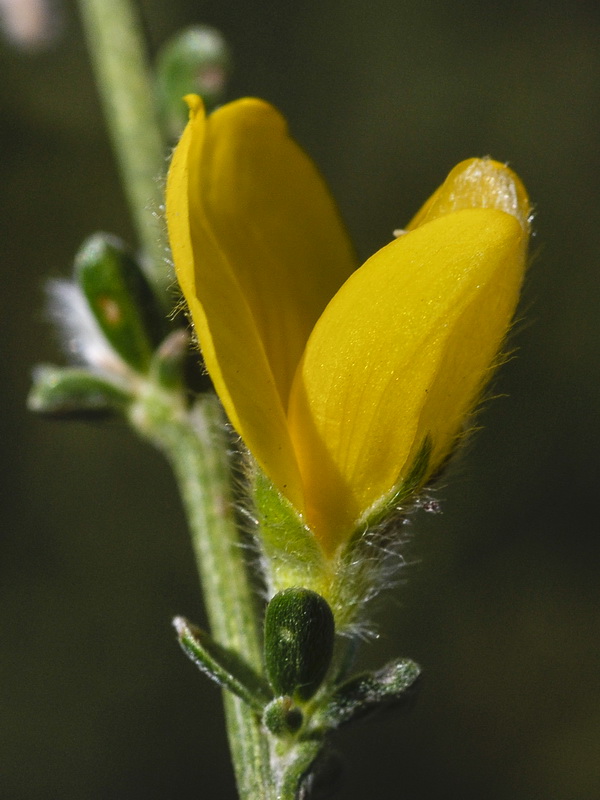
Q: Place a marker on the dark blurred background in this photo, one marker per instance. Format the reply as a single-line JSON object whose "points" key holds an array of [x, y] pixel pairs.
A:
{"points": [[499, 602]]}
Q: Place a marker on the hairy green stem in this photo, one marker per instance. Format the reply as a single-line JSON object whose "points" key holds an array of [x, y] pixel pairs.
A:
{"points": [[196, 445], [123, 76]]}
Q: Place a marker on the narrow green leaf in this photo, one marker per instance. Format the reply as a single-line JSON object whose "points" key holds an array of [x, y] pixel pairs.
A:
{"points": [[74, 393], [394, 684], [225, 667]]}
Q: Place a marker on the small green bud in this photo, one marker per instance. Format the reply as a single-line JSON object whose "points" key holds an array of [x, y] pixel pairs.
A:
{"points": [[299, 633], [169, 360], [120, 299], [74, 393], [195, 61], [281, 717]]}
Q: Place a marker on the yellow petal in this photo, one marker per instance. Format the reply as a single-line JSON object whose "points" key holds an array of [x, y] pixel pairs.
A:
{"points": [[276, 224], [266, 250], [424, 316], [227, 332]]}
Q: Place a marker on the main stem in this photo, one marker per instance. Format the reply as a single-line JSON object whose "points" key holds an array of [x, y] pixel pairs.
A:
{"points": [[195, 442], [123, 76], [197, 447]]}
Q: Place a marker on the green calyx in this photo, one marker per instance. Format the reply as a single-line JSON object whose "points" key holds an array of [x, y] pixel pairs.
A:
{"points": [[293, 555], [403, 493]]}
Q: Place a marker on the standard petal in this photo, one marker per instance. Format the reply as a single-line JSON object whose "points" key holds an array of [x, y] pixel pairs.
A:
{"points": [[276, 224], [424, 316], [226, 327]]}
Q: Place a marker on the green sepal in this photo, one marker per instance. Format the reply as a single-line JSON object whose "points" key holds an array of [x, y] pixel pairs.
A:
{"points": [[225, 667], [299, 636], [376, 536], [293, 553], [404, 491], [74, 393], [120, 299], [196, 60], [282, 717], [394, 684]]}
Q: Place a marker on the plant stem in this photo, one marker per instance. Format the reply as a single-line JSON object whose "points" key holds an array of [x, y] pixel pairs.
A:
{"points": [[195, 442], [123, 77], [197, 446]]}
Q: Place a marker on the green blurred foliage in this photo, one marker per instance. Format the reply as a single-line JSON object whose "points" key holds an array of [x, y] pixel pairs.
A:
{"points": [[499, 601]]}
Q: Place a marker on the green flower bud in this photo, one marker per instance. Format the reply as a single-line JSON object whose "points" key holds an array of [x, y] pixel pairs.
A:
{"points": [[120, 299], [299, 633], [169, 360], [197, 60], [74, 393], [281, 717]]}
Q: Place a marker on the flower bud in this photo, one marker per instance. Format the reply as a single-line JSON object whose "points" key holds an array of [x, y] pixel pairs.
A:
{"points": [[196, 60], [169, 359], [282, 717], [120, 299], [299, 632]]}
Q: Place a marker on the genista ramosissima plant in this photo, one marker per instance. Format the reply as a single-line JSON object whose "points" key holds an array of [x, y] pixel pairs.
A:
{"points": [[347, 387]]}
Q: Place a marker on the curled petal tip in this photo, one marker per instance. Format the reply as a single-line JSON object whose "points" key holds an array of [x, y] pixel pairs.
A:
{"points": [[194, 103]]}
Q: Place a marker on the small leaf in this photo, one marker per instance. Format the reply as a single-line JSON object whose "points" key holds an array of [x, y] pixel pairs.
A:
{"points": [[393, 684], [73, 392], [225, 667], [299, 633]]}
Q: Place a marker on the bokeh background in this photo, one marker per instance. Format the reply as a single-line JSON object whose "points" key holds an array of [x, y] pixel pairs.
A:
{"points": [[499, 601]]}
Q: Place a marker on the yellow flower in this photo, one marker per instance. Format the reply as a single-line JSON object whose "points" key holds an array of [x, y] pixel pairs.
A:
{"points": [[336, 378]]}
